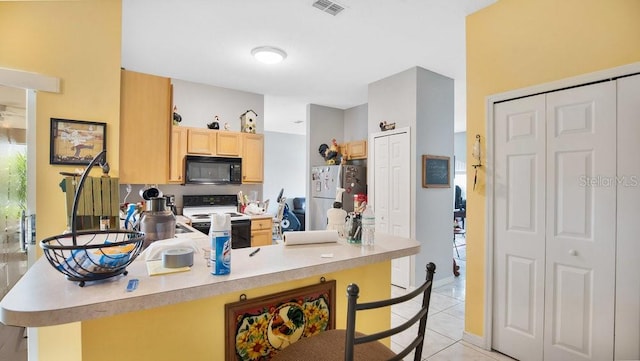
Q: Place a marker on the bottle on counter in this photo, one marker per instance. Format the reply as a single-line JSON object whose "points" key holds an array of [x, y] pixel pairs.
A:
{"points": [[220, 236], [368, 226]]}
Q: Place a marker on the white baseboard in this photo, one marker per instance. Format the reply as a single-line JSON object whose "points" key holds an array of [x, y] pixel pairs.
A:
{"points": [[475, 340]]}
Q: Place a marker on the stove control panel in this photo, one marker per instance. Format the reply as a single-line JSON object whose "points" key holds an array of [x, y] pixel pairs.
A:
{"points": [[210, 200]]}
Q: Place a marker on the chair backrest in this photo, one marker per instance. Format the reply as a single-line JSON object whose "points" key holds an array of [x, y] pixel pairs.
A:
{"points": [[280, 213], [421, 316]]}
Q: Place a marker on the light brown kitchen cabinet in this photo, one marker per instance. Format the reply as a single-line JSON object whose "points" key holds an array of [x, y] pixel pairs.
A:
{"points": [[252, 158], [228, 144], [201, 141], [145, 122], [214, 142], [261, 232], [177, 153], [357, 149]]}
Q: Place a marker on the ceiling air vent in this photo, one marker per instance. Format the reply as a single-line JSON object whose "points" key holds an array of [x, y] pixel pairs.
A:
{"points": [[329, 7]]}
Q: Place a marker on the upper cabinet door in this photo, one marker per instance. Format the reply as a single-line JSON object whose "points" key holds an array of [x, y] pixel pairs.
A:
{"points": [[229, 144], [177, 154], [357, 149], [201, 141], [145, 121], [253, 158]]}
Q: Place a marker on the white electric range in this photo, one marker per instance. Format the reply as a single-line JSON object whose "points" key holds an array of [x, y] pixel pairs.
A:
{"points": [[198, 209]]}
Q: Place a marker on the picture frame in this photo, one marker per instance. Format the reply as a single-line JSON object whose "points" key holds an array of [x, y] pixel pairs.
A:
{"points": [[436, 171], [76, 142], [258, 328]]}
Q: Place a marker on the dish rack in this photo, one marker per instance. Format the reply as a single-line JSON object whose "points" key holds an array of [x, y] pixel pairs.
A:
{"points": [[92, 255]]}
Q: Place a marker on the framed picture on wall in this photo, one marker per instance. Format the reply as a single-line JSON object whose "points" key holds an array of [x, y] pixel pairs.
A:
{"points": [[76, 141], [436, 171]]}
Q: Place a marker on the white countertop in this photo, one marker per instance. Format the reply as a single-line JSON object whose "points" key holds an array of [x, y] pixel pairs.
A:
{"points": [[44, 297]]}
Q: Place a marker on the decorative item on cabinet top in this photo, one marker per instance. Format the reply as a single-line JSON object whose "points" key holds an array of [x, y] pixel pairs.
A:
{"points": [[215, 124], [330, 153], [177, 118], [248, 121]]}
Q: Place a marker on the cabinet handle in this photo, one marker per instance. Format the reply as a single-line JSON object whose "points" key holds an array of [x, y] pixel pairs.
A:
{"points": [[573, 252]]}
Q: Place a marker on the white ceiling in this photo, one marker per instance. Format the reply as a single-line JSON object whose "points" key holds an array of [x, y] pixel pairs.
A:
{"points": [[331, 59]]}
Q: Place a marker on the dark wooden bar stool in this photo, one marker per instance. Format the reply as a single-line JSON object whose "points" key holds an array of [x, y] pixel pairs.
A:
{"points": [[350, 345]]}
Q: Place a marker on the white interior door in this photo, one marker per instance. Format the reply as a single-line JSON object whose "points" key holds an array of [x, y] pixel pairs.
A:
{"points": [[381, 181], [519, 259], [392, 196], [627, 320], [581, 223], [555, 225]]}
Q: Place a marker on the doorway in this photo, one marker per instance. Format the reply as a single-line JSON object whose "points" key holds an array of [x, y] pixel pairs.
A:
{"points": [[13, 208], [13, 185]]}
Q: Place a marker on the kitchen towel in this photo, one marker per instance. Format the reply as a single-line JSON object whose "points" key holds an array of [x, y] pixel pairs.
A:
{"points": [[309, 237]]}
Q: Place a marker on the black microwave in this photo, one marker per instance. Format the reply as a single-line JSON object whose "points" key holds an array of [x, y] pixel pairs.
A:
{"points": [[212, 170]]}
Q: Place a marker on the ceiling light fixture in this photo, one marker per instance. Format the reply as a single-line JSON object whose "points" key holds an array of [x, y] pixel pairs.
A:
{"points": [[268, 54]]}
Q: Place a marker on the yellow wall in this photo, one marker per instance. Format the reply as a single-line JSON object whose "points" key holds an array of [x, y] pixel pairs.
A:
{"points": [[78, 42], [518, 43], [195, 330]]}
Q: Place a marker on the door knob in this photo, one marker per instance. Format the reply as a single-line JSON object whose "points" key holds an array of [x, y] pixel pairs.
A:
{"points": [[573, 252]]}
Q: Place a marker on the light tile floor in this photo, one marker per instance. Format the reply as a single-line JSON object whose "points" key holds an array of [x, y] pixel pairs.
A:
{"points": [[445, 325], [13, 344]]}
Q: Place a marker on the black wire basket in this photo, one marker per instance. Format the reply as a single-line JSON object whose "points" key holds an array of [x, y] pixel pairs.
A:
{"points": [[92, 255]]}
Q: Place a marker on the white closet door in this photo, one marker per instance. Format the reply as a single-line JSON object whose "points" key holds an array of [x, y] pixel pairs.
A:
{"points": [[519, 227], [581, 223], [627, 319], [555, 225], [381, 182], [399, 185], [400, 203], [392, 196]]}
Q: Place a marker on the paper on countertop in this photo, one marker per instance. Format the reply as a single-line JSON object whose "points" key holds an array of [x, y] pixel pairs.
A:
{"points": [[253, 209], [155, 249], [309, 237], [155, 268]]}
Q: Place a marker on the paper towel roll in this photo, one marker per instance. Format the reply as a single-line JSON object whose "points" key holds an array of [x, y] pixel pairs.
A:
{"points": [[308, 237]]}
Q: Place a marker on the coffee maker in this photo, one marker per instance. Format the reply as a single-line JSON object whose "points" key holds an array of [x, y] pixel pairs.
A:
{"points": [[171, 203]]}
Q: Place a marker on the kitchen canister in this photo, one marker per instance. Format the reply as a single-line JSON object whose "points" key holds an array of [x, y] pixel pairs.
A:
{"points": [[157, 222]]}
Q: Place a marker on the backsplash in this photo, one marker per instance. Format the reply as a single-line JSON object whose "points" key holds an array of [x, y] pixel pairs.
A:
{"points": [[179, 190]]}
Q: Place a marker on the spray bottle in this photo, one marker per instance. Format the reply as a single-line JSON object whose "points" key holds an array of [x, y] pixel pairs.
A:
{"points": [[336, 216], [220, 235]]}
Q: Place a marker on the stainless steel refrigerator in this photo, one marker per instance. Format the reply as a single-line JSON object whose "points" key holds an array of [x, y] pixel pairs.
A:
{"points": [[324, 181]]}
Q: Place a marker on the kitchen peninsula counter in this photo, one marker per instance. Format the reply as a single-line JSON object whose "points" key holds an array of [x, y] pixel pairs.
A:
{"points": [[43, 297]]}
